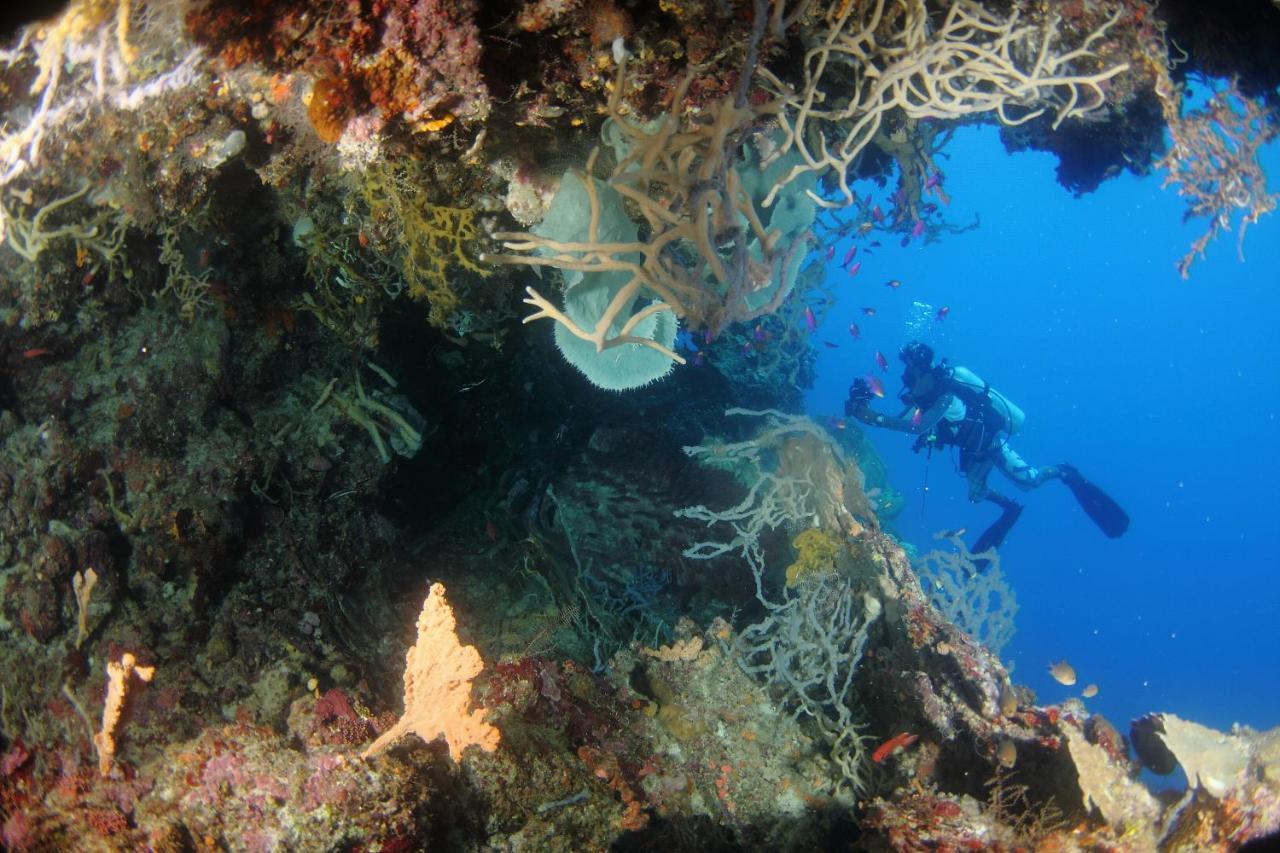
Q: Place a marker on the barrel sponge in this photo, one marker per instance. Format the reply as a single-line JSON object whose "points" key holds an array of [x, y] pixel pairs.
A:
{"points": [[587, 294]]}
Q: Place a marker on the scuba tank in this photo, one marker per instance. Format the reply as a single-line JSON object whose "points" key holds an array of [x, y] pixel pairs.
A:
{"points": [[970, 386]]}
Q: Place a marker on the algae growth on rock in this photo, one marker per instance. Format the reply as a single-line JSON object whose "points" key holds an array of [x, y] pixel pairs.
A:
{"points": [[269, 382]]}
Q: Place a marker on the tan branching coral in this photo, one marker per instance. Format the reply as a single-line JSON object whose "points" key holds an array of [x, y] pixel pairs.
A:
{"points": [[870, 57], [437, 686], [82, 587], [709, 258], [102, 232], [1213, 160], [118, 673]]}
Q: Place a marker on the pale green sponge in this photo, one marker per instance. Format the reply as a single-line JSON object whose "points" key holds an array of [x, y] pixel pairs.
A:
{"points": [[587, 295]]}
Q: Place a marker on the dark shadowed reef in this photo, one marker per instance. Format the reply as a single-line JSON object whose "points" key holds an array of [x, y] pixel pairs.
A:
{"points": [[436, 368]]}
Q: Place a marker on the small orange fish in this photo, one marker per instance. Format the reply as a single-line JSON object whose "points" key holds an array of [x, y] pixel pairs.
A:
{"points": [[875, 386], [917, 416], [882, 362], [870, 312], [892, 745], [854, 331], [36, 352], [830, 345], [894, 283], [491, 530], [942, 313]]}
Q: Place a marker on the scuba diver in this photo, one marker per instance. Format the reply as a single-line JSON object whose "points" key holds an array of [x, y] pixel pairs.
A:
{"points": [[952, 407]]}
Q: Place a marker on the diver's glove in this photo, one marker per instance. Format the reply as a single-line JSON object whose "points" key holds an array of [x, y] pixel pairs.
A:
{"points": [[859, 396]]}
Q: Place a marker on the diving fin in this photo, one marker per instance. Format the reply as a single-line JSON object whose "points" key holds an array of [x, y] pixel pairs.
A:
{"points": [[1097, 504], [993, 536]]}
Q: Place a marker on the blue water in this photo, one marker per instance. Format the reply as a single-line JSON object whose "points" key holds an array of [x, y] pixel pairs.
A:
{"points": [[1165, 392]]}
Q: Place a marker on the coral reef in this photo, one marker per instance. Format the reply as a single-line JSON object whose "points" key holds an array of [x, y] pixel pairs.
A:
{"points": [[265, 387]]}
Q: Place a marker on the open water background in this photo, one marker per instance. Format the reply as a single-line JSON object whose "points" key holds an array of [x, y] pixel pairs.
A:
{"points": [[1166, 392]]}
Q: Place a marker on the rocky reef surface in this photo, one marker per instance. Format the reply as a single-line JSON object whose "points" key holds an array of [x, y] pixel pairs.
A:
{"points": [[266, 381]]}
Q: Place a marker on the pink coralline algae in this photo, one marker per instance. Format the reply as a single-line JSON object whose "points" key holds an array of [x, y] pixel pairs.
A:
{"points": [[418, 60], [433, 46]]}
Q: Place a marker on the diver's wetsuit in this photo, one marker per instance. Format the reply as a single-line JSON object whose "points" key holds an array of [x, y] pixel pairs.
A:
{"points": [[953, 407], [963, 418]]}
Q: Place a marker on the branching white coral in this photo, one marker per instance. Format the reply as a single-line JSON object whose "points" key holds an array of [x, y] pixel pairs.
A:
{"points": [[808, 649], [96, 54], [777, 496], [870, 57]]}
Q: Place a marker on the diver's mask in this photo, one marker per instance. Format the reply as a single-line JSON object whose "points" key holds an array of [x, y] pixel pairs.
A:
{"points": [[916, 355]]}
